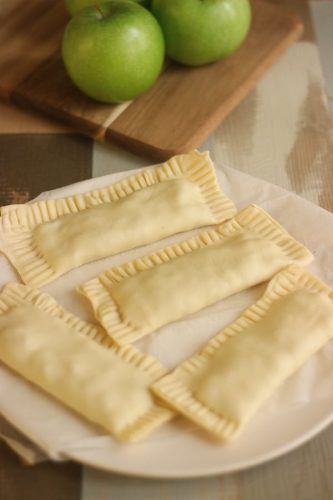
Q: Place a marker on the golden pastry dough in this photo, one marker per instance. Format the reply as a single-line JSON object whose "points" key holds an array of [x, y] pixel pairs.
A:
{"points": [[45, 239], [76, 363], [224, 385], [136, 298]]}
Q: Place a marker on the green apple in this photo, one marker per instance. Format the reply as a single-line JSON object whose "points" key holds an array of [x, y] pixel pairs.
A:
{"points": [[74, 6], [114, 51], [202, 31]]}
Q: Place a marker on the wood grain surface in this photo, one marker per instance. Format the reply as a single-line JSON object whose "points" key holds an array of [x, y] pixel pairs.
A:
{"points": [[29, 34], [174, 116]]}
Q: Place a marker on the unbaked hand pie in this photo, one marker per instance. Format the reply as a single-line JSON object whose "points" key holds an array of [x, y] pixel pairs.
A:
{"points": [[222, 387], [76, 363], [141, 296], [47, 238]]}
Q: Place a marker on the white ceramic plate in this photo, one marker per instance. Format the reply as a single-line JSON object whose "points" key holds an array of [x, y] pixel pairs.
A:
{"points": [[179, 450], [168, 454]]}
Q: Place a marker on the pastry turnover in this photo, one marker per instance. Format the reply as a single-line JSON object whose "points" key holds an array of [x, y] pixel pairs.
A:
{"points": [[76, 363], [136, 298], [47, 238], [224, 385]]}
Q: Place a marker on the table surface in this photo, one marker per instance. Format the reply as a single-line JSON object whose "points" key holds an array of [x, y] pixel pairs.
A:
{"points": [[281, 132]]}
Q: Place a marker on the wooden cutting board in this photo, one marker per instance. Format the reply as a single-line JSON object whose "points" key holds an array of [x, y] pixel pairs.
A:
{"points": [[174, 116]]}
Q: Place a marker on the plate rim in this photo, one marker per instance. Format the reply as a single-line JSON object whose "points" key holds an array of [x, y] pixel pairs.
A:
{"points": [[323, 423]]}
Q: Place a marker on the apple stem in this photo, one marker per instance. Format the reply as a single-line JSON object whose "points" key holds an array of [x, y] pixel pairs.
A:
{"points": [[98, 7]]}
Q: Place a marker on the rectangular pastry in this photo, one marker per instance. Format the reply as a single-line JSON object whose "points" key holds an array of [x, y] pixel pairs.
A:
{"points": [[76, 363], [224, 385], [141, 296], [45, 239]]}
